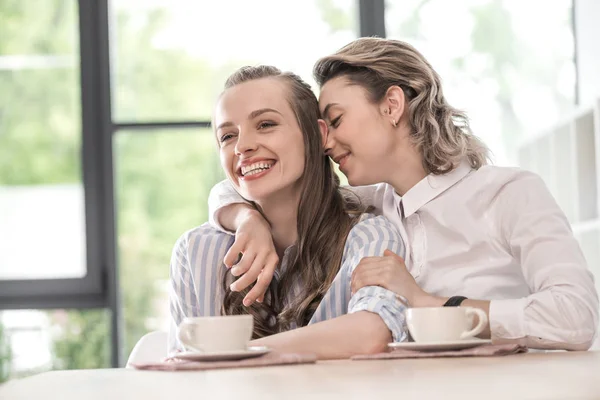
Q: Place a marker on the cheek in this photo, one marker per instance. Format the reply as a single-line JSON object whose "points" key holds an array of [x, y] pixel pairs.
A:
{"points": [[295, 158], [369, 139], [227, 163]]}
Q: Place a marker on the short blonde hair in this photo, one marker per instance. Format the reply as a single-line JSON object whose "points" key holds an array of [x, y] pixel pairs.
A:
{"points": [[440, 132]]}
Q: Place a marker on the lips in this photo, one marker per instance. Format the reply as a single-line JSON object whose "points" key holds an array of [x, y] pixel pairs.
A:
{"points": [[341, 159]]}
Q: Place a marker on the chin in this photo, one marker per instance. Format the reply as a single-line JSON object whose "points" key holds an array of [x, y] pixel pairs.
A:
{"points": [[256, 194], [356, 181]]}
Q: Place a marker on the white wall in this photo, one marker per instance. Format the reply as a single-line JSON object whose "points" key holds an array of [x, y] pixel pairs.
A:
{"points": [[587, 31]]}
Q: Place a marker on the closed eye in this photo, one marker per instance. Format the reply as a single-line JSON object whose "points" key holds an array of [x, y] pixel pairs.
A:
{"points": [[335, 122]]}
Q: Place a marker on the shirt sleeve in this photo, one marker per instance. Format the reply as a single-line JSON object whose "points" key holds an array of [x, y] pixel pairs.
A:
{"points": [[367, 239], [221, 195], [562, 310], [195, 277]]}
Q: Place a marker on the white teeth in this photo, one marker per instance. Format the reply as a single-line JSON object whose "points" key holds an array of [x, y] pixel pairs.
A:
{"points": [[256, 167]]}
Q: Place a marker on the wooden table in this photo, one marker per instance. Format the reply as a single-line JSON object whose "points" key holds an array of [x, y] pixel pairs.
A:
{"points": [[558, 375]]}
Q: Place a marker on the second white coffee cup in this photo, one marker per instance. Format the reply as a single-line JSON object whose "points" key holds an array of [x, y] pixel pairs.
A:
{"points": [[444, 324], [216, 334]]}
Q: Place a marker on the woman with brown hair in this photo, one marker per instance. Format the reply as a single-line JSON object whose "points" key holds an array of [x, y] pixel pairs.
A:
{"points": [[270, 141], [477, 235]]}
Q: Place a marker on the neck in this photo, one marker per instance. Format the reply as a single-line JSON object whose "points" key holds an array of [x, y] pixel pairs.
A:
{"points": [[406, 166], [282, 213]]}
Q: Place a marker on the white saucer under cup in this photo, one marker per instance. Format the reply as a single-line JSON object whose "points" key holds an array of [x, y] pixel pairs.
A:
{"points": [[440, 346], [232, 355]]}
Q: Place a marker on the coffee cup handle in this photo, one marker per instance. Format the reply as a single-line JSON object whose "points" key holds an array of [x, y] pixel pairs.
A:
{"points": [[184, 332], [482, 321]]}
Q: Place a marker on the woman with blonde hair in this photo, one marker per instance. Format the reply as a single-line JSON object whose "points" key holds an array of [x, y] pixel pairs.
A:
{"points": [[477, 235]]}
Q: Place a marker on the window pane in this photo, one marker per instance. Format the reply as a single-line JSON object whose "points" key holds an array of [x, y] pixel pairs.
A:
{"points": [[42, 228], [172, 57], [162, 182], [33, 341], [513, 78]]}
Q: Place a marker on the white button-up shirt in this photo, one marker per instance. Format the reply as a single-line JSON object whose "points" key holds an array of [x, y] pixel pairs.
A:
{"points": [[493, 234]]}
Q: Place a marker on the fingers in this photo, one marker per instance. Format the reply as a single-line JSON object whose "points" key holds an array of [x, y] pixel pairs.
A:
{"points": [[368, 266], [244, 264], [375, 259], [389, 253], [262, 282], [368, 278], [249, 275], [379, 271], [370, 260], [233, 254]]}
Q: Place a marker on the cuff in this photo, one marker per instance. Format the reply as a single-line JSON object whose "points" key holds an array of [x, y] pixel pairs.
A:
{"points": [[507, 319], [384, 303]]}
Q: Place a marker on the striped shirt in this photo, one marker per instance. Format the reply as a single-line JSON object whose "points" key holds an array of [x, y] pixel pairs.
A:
{"points": [[196, 287]]}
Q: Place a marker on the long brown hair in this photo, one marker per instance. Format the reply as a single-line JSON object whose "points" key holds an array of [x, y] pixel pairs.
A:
{"points": [[325, 217], [440, 131]]}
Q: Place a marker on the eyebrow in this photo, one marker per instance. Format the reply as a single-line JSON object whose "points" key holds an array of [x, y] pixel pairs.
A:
{"points": [[256, 113], [327, 107], [224, 125], [252, 115]]}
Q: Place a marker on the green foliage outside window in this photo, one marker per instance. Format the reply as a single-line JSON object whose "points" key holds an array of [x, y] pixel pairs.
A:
{"points": [[5, 355]]}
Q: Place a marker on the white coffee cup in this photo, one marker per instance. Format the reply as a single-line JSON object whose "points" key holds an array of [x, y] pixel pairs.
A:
{"points": [[444, 324], [216, 334]]}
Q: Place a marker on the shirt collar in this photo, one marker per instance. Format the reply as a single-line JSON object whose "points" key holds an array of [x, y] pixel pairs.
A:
{"points": [[432, 186]]}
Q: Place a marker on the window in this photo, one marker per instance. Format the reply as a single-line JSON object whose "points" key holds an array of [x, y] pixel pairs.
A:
{"points": [[157, 202], [171, 58], [493, 64], [43, 230], [44, 340]]}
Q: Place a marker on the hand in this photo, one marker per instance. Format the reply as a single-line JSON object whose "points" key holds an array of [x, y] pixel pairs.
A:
{"points": [[259, 259], [390, 273]]}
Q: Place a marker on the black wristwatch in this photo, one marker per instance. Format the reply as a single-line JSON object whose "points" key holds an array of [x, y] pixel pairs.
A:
{"points": [[454, 301]]}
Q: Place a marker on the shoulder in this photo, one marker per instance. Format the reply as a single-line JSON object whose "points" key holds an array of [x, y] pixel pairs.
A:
{"points": [[508, 183], [372, 229], [203, 238], [505, 175], [370, 222], [520, 197]]}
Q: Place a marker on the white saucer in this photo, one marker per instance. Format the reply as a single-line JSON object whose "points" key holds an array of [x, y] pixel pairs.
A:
{"points": [[223, 355], [434, 346]]}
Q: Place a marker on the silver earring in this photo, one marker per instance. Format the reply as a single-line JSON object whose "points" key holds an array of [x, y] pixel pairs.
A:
{"points": [[394, 123]]}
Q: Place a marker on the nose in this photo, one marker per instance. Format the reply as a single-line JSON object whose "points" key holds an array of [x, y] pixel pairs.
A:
{"points": [[246, 142]]}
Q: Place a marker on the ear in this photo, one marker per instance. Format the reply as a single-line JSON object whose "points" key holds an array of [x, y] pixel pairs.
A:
{"points": [[324, 130], [393, 104]]}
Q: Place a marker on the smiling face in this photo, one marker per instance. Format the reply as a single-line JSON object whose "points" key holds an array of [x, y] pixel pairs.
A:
{"points": [[360, 140], [261, 145]]}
